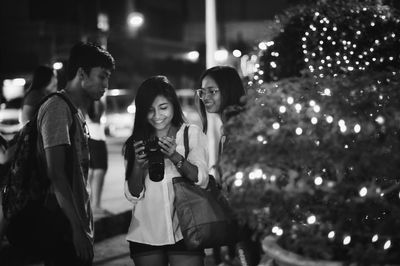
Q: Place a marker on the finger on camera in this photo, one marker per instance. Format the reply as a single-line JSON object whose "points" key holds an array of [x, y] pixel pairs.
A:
{"points": [[138, 144]]}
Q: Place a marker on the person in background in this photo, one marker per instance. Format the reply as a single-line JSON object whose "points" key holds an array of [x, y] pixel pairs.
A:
{"points": [[154, 234], [3, 169], [219, 92], [98, 163], [44, 82]]}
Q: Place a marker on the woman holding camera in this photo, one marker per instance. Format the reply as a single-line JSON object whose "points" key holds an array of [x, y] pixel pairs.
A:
{"points": [[154, 234]]}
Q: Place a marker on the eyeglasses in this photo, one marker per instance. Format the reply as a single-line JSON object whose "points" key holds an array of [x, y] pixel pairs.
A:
{"points": [[202, 93]]}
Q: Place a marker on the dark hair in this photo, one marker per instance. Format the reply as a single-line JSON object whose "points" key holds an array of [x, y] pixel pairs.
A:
{"points": [[230, 86], [142, 130], [42, 76], [88, 56]]}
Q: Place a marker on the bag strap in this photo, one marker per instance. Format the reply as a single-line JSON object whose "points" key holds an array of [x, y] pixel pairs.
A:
{"points": [[186, 141]]}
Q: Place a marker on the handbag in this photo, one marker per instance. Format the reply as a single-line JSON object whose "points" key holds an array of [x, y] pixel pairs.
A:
{"points": [[205, 216]]}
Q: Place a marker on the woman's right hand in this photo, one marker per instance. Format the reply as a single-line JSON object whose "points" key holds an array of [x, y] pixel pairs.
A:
{"points": [[140, 155]]}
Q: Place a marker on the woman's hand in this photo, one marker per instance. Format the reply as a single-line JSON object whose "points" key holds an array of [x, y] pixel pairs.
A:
{"points": [[140, 155], [168, 146]]}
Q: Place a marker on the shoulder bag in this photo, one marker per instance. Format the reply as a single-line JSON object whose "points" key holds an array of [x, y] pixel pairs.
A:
{"points": [[205, 216]]}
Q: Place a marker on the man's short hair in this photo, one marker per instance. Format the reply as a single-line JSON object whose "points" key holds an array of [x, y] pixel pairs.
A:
{"points": [[88, 56]]}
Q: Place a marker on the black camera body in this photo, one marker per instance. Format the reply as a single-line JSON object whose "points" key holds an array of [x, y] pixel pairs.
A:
{"points": [[155, 158]]}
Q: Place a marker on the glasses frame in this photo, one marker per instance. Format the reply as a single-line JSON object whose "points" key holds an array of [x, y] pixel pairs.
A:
{"points": [[202, 93]]}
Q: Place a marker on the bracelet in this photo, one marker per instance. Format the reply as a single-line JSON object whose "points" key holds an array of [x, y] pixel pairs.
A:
{"points": [[179, 164]]}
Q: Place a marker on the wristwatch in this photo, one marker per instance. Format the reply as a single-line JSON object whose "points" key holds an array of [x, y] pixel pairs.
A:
{"points": [[179, 164]]}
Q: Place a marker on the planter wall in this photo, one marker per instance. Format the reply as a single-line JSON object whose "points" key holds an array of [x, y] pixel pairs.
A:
{"points": [[277, 256]]}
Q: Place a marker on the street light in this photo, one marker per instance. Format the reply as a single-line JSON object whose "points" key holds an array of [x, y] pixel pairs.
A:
{"points": [[135, 20]]}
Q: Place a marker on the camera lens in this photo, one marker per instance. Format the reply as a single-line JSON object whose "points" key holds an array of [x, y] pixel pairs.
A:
{"points": [[156, 159]]}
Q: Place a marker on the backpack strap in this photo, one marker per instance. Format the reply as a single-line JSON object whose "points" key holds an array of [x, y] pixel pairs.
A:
{"points": [[186, 141]]}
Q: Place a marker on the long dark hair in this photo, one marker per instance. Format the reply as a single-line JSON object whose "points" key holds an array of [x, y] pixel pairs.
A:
{"points": [[42, 76], [230, 86], [142, 130]]}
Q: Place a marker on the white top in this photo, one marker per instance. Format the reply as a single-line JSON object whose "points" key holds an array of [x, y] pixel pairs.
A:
{"points": [[96, 130], [154, 219]]}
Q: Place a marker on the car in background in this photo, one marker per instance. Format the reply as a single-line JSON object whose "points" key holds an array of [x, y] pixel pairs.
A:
{"points": [[10, 118], [120, 112], [186, 99]]}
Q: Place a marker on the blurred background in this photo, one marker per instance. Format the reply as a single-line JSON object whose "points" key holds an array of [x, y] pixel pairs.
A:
{"points": [[146, 37]]}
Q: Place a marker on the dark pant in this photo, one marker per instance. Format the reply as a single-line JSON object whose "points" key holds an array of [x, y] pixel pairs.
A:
{"points": [[40, 234]]}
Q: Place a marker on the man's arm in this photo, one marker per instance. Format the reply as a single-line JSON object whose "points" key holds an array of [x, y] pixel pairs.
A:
{"points": [[56, 165]]}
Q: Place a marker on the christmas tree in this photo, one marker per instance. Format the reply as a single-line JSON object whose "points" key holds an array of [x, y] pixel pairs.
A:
{"points": [[315, 157]]}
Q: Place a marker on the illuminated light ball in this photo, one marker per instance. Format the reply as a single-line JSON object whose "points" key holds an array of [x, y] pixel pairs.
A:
{"points": [[380, 120], [317, 108], [350, 68], [311, 219], [260, 81], [382, 194], [363, 192], [297, 107], [343, 129], [264, 142], [312, 103], [341, 123], [318, 181], [273, 64], [262, 46], [327, 92], [391, 58], [290, 100], [256, 77], [261, 72], [346, 240], [193, 56], [357, 128], [317, 142], [314, 120], [282, 109], [260, 138], [237, 53], [264, 176], [275, 229], [331, 234], [279, 232], [387, 244], [258, 173], [238, 182], [239, 175], [304, 39], [252, 176], [358, 32], [276, 125], [334, 28], [273, 178], [270, 43], [299, 131], [57, 65], [374, 238]]}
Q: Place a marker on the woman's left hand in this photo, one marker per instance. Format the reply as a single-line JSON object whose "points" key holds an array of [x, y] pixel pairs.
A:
{"points": [[168, 146]]}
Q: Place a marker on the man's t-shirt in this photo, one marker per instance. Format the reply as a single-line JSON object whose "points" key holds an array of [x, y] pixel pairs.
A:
{"points": [[54, 122]]}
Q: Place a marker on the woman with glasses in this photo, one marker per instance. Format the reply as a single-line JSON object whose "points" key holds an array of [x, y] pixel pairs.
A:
{"points": [[220, 92]]}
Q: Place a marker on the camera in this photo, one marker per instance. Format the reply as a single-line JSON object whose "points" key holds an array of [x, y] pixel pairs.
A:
{"points": [[155, 158]]}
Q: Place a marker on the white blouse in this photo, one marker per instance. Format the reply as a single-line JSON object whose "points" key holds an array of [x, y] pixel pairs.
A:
{"points": [[154, 219]]}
